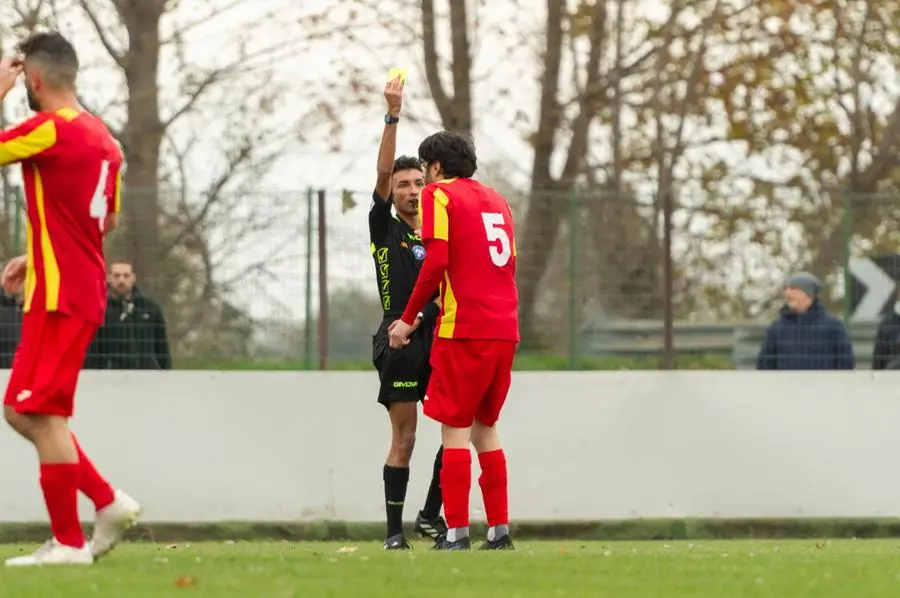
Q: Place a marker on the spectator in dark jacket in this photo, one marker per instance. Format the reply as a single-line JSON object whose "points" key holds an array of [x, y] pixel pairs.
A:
{"points": [[10, 328], [886, 355], [134, 334], [806, 336]]}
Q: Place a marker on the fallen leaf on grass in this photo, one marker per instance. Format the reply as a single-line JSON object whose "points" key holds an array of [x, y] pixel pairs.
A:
{"points": [[185, 582], [346, 549], [563, 550]]}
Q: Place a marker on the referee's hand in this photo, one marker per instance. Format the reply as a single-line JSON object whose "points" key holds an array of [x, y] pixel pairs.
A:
{"points": [[393, 94]]}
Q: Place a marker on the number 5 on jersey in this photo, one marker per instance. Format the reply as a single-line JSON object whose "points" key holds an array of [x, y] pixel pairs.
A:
{"points": [[493, 226], [100, 201]]}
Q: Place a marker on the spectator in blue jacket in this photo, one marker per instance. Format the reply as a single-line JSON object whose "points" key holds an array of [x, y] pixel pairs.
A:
{"points": [[806, 336]]}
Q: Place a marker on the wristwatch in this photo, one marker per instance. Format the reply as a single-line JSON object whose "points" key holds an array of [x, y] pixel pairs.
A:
{"points": [[391, 120]]}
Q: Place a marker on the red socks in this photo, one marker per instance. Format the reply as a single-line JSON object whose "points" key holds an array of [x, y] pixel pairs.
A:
{"points": [[59, 481], [494, 488], [92, 483], [456, 483]]}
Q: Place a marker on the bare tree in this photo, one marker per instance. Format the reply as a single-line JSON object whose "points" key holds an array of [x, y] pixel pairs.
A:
{"points": [[826, 141], [145, 127], [173, 218], [456, 108]]}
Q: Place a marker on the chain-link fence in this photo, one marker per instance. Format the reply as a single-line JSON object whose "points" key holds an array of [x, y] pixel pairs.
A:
{"points": [[286, 280]]}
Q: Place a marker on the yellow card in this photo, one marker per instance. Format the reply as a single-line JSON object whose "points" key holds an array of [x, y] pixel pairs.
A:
{"points": [[397, 71]]}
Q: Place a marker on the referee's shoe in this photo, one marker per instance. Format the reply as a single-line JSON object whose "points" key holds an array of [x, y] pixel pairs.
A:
{"points": [[397, 542]]}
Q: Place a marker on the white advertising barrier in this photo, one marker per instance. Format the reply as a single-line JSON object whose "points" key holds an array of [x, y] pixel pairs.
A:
{"points": [[295, 446]]}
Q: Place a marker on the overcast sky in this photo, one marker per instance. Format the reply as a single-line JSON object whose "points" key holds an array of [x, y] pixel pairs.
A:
{"points": [[310, 67], [307, 71]]}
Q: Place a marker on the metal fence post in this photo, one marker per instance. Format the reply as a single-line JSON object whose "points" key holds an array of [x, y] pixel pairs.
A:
{"points": [[308, 328], [668, 358], [573, 300], [323, 286], [846, 237]]}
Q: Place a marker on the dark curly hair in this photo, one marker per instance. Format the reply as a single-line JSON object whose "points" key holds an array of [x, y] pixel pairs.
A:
{"points": [[455, 152]]}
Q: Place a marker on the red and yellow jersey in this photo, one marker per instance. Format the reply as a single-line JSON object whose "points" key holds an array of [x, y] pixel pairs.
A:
{"points": [[479, 298], [71, 167]]}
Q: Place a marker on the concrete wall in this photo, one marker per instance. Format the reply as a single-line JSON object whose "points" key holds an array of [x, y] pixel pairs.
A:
{"points": [[209, 446]]}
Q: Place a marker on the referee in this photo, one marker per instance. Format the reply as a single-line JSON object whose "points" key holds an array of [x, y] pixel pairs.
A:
{"points": [[398, 253]]}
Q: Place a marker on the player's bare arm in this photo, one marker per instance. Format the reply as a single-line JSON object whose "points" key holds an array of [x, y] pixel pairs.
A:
{"points": [[393, 95], [111, 223], [13, 277], [10, 70]]}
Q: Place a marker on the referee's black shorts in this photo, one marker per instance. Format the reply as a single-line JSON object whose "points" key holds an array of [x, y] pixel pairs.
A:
{"points": [[403, 372]]}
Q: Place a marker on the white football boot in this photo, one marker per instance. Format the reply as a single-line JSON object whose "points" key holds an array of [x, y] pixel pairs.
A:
{"points": [[54, 553], [111, 523]]}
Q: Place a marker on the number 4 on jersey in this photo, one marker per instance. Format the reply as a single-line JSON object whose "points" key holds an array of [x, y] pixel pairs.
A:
{"points": [[493, 223], [99, 202]]}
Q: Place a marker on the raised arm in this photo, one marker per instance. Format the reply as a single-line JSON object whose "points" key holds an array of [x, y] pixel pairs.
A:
{"points": [[380, 212], [393, 94], [33, 137]]}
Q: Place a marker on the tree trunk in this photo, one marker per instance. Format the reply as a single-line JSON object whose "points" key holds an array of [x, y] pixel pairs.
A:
{"points": [[142, 138]]}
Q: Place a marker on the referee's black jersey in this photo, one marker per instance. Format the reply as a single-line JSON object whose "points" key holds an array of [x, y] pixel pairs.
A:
{"points": [[398, 253]]}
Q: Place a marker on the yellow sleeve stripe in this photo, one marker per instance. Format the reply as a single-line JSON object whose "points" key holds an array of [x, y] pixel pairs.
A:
{"points": [[441, 222], [117, 199], [30, 144]]}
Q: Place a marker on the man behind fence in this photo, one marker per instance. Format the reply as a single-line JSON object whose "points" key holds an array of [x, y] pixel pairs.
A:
{"points": [[806, 336], [398, 252], [134, 334]]}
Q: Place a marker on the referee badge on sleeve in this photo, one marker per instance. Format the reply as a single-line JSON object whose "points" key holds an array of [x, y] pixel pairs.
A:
{"points": [[418, 252]]}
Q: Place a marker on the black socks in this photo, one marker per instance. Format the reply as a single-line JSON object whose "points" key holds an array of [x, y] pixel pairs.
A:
{"points": [[395, 482], [434, 500]]}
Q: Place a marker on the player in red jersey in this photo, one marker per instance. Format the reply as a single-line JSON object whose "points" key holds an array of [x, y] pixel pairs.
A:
{"points": [[470, 252], [71, 167]]}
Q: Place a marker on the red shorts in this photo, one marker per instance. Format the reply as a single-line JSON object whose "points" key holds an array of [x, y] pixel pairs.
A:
{"points": [[47, 362], [469, 380]]}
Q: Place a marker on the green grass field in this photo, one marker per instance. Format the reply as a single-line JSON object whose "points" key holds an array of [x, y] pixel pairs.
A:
{"points": [[783, 569]]}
